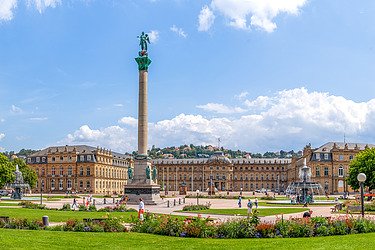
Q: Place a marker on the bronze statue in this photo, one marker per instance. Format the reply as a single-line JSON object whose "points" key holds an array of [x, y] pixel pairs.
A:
{"points": [[148, 170], [130, 173], [154, 173], [143, 40]]}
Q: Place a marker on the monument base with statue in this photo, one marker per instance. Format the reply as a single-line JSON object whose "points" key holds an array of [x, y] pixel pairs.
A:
{"points": [[143, 184]]}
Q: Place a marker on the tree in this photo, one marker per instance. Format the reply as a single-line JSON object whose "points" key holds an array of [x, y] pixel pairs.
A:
{"points": [[6, 171], [364, 162]]}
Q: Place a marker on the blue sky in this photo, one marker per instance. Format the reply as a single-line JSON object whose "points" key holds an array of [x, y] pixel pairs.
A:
{"points": [[262, 75]]}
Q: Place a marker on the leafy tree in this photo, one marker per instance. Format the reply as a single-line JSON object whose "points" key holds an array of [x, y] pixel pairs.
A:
{"points": [[6, 171], [364, 162]]}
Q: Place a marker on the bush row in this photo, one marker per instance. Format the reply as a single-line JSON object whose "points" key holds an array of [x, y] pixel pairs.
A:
{"points": [[196, 207], [107, 225], [252, 227]]}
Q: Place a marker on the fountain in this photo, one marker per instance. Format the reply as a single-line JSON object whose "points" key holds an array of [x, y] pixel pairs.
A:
{"points": [[18, 185], [304, 189]]}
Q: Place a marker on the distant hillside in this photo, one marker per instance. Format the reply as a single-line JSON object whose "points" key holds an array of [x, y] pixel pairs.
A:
{"points": [[194, 151]]}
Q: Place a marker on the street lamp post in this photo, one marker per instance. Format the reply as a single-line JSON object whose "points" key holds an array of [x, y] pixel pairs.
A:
{"points": [[197, 196], [241, 191], [361, 177], [41, 196]]}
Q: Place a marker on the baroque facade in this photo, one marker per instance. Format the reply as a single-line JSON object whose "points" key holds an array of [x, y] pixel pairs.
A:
{"points": [[223, 173], [80, 168], [329, 165]]}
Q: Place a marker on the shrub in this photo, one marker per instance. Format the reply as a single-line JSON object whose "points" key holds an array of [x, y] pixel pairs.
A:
{"points": [[91, 208], [113, 224], [243, 228], [66, 207], [199, 228], [268, 198], [29, 204], [196, 207], [82, 207], [265, 230]]}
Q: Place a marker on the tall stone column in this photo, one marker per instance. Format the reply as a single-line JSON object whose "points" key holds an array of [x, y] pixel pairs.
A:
{"points": [[142, 113], [142, 183]]}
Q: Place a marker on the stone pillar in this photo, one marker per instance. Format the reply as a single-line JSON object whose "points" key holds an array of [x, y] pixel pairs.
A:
{"points": [[142, 113]]}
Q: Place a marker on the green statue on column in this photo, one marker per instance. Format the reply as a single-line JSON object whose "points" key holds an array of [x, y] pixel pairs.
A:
{"points": [[143, 60]]}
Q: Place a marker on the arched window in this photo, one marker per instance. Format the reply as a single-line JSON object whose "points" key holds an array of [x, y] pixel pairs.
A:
{"points": [[53, 171], [81, 171], [52, 184], [341, 171]]}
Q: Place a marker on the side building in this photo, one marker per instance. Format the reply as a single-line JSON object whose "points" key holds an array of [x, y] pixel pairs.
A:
{"points": [[329, 165], [223, 173], [80, 168]]}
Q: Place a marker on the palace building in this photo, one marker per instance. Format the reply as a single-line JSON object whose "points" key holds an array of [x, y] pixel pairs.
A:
{"points": [[329, 164], [223, 173], [88, 169], [80, 168]]}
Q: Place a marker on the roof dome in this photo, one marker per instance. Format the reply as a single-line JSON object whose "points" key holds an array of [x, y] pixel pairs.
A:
{"points": [[218, 156]]}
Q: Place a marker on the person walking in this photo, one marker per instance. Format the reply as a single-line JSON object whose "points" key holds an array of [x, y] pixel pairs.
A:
{"points": [[256, 203], [239, 201], [141, 209], [74, 206], [249, 208]]}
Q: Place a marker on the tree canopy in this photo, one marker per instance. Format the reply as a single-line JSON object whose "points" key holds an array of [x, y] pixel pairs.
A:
{"points": [[8, 167], [364, 162]]}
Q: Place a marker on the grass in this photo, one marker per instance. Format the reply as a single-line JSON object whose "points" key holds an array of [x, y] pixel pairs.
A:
{"points": [[243, 211], [21, 239], [60, 216], [6, 204]]}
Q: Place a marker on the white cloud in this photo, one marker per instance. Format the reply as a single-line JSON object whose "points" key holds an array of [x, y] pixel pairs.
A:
{"points": [[205, 19], [179, 31], [242, 95], [2, 135], [131, 121], [288, 119], [6, 9], [153, 35], [119, 105], [259, 13], [2, 120], [15, 110], [220, 108], [41, 5]]}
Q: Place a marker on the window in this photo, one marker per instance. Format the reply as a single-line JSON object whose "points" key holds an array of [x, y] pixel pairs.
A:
{"points": [[61, 170], [89, 157], [325, 156], [81, 171], [61, 158], [350, 157], [52, 184], [88, 172], [341, 157], [60, 184], [43, 159], [317, 171], [326, 171], [82, 158], [341, 171], [53, 171], [81, 184], [37, 159], [69, 184], [70, 170], [87, 184], [43, 171]]}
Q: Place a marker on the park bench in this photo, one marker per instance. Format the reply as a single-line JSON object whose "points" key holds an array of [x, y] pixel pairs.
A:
{"points": [[4, 218], [94, 220]]}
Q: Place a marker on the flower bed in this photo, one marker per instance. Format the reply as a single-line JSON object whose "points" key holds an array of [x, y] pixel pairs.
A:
{"points": [[252, 227], [196, 207]]}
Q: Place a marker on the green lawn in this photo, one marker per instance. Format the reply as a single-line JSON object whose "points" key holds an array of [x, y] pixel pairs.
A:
{"points": [[21, 239], [6, 204], [59, 216], [243, 211]]}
